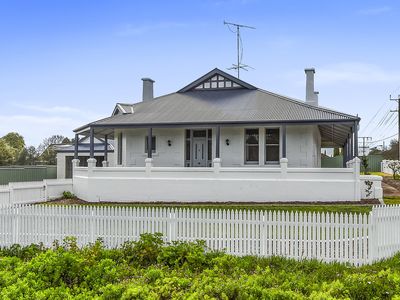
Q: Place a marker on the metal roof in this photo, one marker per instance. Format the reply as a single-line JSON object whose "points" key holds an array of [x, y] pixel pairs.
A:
{"points": [[224, 106], [247, 104], [84, 146]]}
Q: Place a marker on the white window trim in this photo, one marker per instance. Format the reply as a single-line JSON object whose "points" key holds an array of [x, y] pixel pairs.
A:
{"points": [[250, 163], [272, 163]]}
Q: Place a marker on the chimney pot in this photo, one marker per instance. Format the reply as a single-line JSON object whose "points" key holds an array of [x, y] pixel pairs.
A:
{"points": [[148, 92]]}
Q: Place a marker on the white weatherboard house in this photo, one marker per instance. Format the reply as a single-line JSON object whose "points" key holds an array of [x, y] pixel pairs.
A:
{"points": [[221, 139]]}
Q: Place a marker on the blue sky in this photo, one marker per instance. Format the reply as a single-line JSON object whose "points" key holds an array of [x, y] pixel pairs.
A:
{"points": [[66, 63]]}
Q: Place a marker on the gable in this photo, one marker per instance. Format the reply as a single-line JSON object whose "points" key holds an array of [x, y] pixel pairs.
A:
{"points": [[122, 108], [216, 80]]}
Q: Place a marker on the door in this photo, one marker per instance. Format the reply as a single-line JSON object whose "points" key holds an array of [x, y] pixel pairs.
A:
{"points": [[199, 152]]}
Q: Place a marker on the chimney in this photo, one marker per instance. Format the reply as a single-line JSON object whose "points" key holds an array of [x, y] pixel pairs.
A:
{"points": [[311, 95], [147, 89]]}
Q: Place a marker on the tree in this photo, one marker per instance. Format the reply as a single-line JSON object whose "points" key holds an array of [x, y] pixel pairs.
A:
{"points": [[392, 152], [16, 142], [395, 167], [6, 153], [28, 156], [46, 148]]}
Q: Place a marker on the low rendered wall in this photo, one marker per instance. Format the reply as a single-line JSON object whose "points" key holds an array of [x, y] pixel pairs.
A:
{"points": [[218, 184], [32, 192]]}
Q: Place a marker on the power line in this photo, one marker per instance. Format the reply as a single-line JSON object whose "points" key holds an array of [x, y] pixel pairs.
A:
{"points": [[373, 118], [384, 139], [365, 140], [398, 115]]}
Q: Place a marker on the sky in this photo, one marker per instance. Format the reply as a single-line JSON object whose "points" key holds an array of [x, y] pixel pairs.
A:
{"points": [[66, 63]]}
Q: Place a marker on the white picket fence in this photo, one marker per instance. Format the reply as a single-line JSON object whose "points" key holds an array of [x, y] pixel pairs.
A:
{"points": [[33, 192], [354, 238]]}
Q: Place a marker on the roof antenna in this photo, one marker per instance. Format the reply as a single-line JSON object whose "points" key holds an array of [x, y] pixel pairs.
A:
{"points": [[239, 45]]}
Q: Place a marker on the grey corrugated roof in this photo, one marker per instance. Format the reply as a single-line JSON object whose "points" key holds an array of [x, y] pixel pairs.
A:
{"points": [[220, 106], [240, 105]]}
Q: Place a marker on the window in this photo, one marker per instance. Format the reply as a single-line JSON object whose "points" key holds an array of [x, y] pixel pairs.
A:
{"points": [[153, 144], [251, 146], [119, 154], [217, 82], [272, 145]]}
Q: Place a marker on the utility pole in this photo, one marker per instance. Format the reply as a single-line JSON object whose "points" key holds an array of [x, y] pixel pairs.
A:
{"points": [[365, 140], [398, 123], [239, 64]]}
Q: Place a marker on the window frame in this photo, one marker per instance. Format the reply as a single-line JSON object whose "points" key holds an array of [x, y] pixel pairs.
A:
{"points": [[251, 162], [272, 162]]}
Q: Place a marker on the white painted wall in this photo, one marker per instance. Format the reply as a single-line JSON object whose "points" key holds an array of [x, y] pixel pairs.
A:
{"points": [[218, 184], [134, 147], [303, 146], [32, 192], [61, 165]]}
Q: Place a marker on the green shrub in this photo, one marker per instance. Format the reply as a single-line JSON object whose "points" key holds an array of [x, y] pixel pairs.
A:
{"points": [[152, 269], [68, 195]]}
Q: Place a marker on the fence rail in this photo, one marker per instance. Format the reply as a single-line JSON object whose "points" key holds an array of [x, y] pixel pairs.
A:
{"points": [[32, 192], [354, 238]]}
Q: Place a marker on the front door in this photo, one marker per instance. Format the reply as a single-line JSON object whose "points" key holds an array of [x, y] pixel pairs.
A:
{"points": [[199, 152]]}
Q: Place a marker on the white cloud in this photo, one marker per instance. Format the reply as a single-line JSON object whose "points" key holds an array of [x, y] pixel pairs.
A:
{"points": [[374, 11], [353, 72], [131, 30], [35, 128], [51, 110]]}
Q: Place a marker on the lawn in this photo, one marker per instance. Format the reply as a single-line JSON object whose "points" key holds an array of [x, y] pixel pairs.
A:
{"points": [[312, 207]]}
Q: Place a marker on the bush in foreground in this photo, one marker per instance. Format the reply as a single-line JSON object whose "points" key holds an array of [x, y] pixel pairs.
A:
{"points": [[152, 269]]}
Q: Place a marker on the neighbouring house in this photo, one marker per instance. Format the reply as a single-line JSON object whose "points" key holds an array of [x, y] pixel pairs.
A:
{"points": [[166, 146], [65, 155]]}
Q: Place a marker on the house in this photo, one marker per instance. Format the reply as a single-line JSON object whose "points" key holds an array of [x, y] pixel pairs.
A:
{"points": [[219, 124], [65, 155], [254, 127]]}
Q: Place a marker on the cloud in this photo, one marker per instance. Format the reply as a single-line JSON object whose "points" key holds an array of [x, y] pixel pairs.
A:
{"points": [[354, 72], [35, 127], [57, 111], [132, 30], [374, 11], [50, 110]]}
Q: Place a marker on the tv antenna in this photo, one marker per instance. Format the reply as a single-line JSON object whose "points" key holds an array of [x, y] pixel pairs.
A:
{"points": [[239, 45]]}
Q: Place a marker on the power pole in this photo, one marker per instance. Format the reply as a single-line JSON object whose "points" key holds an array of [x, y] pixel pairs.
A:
{"points": [[365, 140], [239, 64], [398, 123]]}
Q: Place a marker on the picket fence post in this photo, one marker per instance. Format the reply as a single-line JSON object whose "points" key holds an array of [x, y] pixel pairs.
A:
{"points": [[371, 236], [15, 225], [91, 220], [11, 189]]}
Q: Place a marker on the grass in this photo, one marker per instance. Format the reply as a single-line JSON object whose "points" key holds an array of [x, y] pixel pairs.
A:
{"points": [[349, 208], [377, 173]]}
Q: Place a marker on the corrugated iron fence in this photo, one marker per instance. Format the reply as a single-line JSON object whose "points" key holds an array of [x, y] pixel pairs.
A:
{"points": [[26, 173], [374, 162]]}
